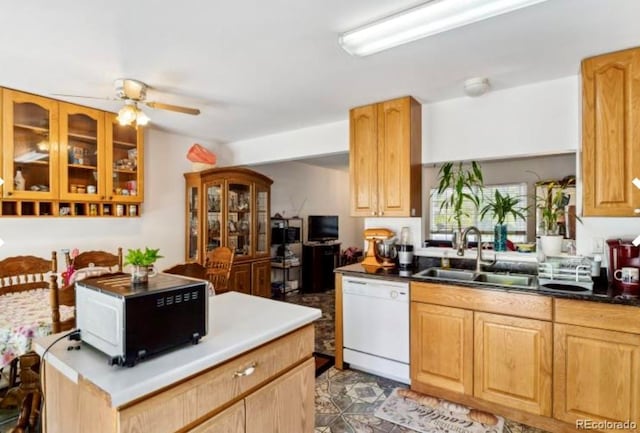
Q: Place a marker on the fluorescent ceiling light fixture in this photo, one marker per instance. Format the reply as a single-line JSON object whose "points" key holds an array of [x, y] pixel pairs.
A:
{"points": [[427, 19]]}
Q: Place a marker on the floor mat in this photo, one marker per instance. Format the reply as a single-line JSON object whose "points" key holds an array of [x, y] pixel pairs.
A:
{"points": [[426, 414]]}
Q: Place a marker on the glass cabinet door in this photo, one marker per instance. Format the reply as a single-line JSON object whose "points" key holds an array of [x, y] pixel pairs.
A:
{"points": [[30, 140], [193, 217], [262, 221], [82, 152], [213, 229], [124, 171], [239, 231]]}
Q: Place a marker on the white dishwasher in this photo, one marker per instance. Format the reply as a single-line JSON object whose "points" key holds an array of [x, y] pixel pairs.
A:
{"points": [[375, 317]]}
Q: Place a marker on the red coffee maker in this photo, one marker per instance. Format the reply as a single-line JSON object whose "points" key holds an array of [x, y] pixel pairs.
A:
{"points": [[623, 253]]}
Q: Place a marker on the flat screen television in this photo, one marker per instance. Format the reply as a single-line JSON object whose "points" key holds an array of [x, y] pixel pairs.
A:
{"points": [[322, 228]]}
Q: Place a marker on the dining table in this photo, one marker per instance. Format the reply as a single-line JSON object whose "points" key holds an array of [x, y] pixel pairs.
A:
{"points": [[25, 315]]}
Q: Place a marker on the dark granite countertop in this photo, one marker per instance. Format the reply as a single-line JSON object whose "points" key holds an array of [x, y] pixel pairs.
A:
{"points": [[606, 296]]}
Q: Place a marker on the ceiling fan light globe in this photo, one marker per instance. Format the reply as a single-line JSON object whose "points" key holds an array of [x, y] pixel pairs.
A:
{"points": [[142, 119], [127, 115]]}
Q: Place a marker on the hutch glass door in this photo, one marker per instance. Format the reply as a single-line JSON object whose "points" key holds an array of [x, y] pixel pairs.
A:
{"points": [[213, 218], [239, 219], [262, 224], [193, 215]]}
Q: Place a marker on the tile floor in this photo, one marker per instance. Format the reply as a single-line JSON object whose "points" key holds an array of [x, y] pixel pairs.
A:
{"points": [[346, 401], [325, 326]]}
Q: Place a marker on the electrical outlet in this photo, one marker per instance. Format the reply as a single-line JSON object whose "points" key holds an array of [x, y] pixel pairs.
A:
{"points": [[597, 245]]}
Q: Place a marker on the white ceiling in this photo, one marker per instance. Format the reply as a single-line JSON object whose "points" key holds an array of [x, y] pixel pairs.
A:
{"points": [[257, 67]]}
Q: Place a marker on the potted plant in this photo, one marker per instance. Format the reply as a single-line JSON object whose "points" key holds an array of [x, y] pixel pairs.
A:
{"points": [[551, 204], [142, 262], [465, 184], [500, 207]]}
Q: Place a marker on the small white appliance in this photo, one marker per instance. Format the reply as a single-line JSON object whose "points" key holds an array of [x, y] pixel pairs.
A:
{"points": [[375, 321]]}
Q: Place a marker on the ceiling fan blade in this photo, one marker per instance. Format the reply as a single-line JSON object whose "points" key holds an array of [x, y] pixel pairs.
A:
{"points": [[170, 107], [83, 96]]}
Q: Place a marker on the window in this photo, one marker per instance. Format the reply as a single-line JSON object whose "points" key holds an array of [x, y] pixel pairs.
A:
{"points": [[442, 225]]}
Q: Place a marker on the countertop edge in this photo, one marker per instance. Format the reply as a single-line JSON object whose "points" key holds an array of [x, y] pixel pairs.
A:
{"points": [[95, 362]]}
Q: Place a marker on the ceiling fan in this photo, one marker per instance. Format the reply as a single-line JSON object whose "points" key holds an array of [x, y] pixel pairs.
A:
{"points": [[134, 92]]}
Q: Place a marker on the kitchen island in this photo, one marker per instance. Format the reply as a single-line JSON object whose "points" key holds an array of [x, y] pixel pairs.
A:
{"points": [[253, 372]]}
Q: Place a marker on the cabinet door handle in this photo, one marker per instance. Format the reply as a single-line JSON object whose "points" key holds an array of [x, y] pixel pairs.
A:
{"points": [[373, 213], [248, 371], [9, 192], [381, 212]]}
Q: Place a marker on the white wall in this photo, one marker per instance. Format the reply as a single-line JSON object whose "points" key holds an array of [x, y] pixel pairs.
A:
{"points": [[160, 226], [301, 189], [537, 119], [300, 143]]}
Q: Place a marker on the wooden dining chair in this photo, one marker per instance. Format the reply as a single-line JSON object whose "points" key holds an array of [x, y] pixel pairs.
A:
{"points": [[96, 258], [18, 274], [22, 273], [193, 270], [218, 263]]}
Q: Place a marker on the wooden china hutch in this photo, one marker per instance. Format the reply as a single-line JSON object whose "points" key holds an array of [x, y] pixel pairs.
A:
{"points": [[230, 207]]}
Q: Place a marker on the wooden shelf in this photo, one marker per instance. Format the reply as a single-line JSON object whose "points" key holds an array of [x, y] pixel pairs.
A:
{"points": [[124, 144], [43, 163], [83, 167], [119, 170], [38, 129], [83, 137]]}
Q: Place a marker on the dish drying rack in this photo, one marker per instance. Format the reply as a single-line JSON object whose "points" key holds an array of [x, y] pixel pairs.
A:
{"points": [[571, 270]]}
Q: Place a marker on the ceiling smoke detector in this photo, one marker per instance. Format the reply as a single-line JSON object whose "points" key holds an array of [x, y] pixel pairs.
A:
{"points": [[476, 86]]}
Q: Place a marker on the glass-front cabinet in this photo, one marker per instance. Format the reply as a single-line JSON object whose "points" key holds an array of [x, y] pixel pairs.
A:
{"points": [[30, 140], [192, 217], [229, 207], [239, 223], [82, 152], [124, 174], [66, 160], [262, 222], [214, 224]]}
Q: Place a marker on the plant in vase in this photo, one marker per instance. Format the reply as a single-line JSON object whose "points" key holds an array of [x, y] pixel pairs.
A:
{"points": [[501, 207], [465, 185], [551, 204], [142, 262]]}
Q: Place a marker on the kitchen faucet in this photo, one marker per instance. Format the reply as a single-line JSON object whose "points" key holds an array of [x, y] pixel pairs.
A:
{"points": [[463, 243]]}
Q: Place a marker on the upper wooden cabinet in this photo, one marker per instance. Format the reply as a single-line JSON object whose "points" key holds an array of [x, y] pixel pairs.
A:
{"points": [[611, 133], [29, 146], [231, 207], [71, 160], [385, 157]]}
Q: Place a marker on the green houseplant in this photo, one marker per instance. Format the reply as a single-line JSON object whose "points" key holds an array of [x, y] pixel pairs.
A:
{"points": [[552, 204], [501, 207], [465, 184], [142, 262]]}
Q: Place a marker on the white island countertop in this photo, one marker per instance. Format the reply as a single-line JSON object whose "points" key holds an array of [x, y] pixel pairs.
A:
{"points": [[237, 323]]}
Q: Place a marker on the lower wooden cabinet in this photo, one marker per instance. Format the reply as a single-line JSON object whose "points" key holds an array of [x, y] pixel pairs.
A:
{"points": [[274, 408], [442, 347], [231, 420], [261, 278], [284, 405], [596, 375], [513, 362], [240, 278]]}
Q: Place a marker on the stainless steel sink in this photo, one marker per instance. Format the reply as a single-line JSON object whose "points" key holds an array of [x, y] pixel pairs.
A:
{"points": [[515, 280], [447, 274], [489, 278]]}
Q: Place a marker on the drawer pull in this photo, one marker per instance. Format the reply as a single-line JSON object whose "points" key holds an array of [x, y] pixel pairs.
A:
{"points": [[247, 371]]}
